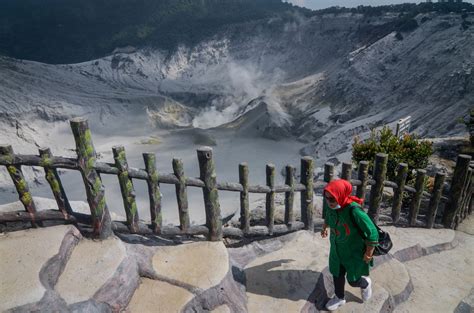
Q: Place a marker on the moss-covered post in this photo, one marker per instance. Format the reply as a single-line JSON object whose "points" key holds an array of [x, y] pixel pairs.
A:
{"points": [[95, 191], [20, 183], [466, 195], [244, 198], [153, 192], [435, 197], [471, 127], [270, 198], [376, 191], [458, 217], [181, 194], [363, 176], [415, 202], [54, 181], [290, 195], [328, 172], [126, 188], [211, 197], [346, 172], [307, 179], [471, 196], [400, 180], [459, 177]]}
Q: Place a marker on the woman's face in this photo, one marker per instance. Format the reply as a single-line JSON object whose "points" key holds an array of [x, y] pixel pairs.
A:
{"points": [[330, 200]]}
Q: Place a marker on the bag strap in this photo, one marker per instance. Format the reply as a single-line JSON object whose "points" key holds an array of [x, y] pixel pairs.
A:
{"points": [[361, 233]]}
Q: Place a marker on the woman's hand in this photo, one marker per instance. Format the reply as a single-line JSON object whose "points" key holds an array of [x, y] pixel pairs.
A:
{"points": [[368, 255], [324, 231], [367, 258]]}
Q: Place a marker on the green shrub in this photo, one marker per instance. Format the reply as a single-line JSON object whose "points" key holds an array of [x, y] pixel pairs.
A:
{"points": [[408, 149]]}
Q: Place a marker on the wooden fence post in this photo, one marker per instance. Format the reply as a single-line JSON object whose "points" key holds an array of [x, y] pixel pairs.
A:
{"points": [[465, 195], [307, 179], [126, 188], [101, 222], [363, 176], [376, 191], [244, 198], [211, 197], [346, 172], [270, 198], [435, 197], [415, 202], [54, 181], [457, 184], [328, 172], [400, 180], [181, 194], [290, 195], [20, 183], [471, 196], [153, 192]]}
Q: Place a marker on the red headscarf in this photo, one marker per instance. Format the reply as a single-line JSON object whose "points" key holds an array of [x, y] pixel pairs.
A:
{"points": [[341, 190]]}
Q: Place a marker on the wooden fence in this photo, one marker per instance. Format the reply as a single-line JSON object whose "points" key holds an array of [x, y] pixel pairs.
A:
{"points": [[458, 206]]}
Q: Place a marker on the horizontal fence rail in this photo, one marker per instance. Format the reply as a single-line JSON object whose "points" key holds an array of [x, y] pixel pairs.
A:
{"points": [[458, 200]]}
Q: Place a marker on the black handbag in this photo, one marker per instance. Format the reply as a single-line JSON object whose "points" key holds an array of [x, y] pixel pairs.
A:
{"points": [[385, 243]]}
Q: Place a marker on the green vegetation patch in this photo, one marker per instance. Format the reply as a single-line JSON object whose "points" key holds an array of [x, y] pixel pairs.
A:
{"points": [[408, 149]]}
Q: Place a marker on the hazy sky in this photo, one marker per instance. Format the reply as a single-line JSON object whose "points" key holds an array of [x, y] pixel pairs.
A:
{"points": [[320, 4]]}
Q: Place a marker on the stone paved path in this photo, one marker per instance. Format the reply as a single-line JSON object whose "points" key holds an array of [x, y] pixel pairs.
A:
{"points": [[55, 269]]}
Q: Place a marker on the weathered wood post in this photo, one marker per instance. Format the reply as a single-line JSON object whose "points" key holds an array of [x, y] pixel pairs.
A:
{"points": [[20, 183], [471, 202], [400, 180], [328, 172], [54, 181], [376, 191], [86, 156], [244, 198], [346, 172], [307, 179], [471, 127], [470, 192], [126, 188], [363, 176], [415, 202], [465, 195], [290, 195], [435, 197], [211, 197], [153, 192], [459, 177], [181, 194], [270, 198]]}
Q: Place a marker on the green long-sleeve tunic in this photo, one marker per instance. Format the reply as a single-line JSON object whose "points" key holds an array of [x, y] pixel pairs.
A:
{"points": [[347, 244]]}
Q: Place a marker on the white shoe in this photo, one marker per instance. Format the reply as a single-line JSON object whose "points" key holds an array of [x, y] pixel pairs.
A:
{"points": [[367, 292], [335, 303]]}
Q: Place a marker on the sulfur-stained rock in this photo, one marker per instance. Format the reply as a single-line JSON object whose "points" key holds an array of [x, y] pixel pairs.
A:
{"points": [[221, 309], [453, 268], [283, 280], [394, 278], [92, 263], [22, 257], [201, 265], [406, 237], [158, 297]]}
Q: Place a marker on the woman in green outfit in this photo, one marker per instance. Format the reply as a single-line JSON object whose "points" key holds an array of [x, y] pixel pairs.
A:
{"points": [[351, 252]]}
